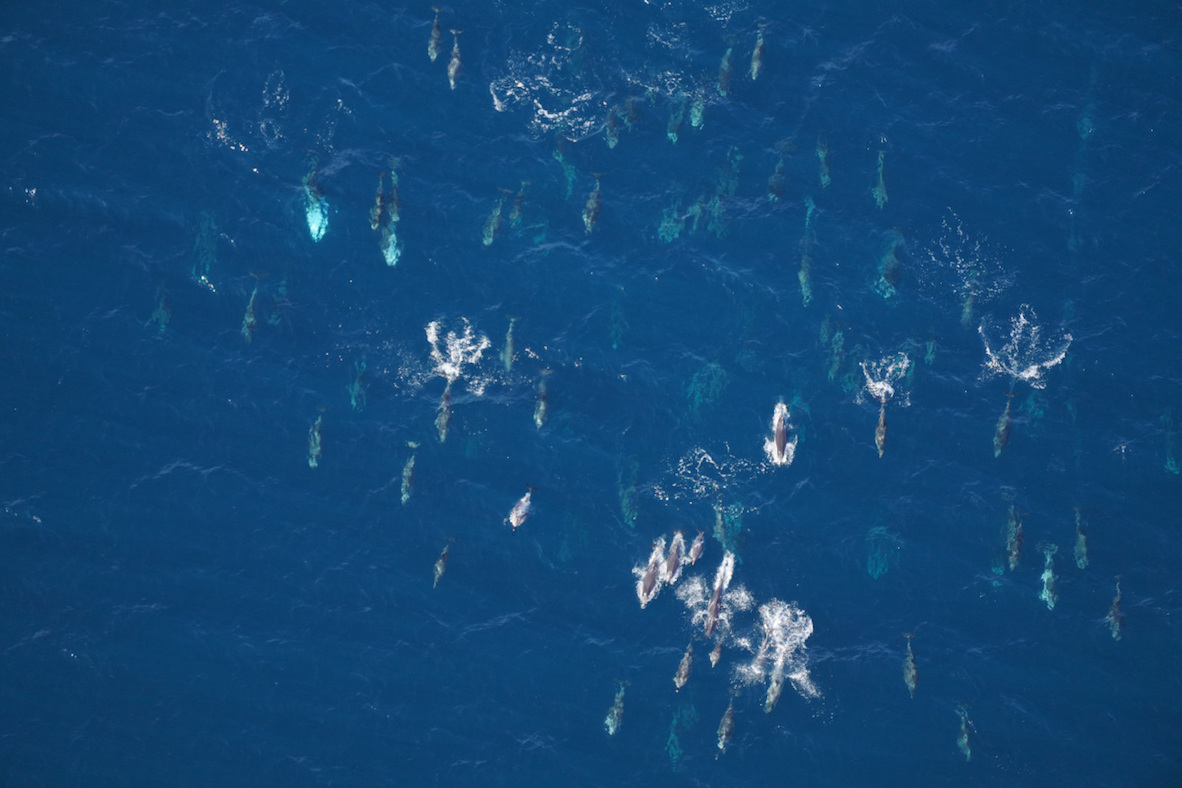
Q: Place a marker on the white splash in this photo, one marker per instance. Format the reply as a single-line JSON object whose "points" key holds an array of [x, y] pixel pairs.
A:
{"points": [[883, 375], [1027, 355], [970, 262], [458, 351], [548, 83], [701, 475], [782, 631], [694, 594], [562, 89], [699, 599]]}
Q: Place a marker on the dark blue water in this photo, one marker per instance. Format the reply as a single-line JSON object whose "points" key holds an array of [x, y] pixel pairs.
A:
{"points": [[185, 601]]}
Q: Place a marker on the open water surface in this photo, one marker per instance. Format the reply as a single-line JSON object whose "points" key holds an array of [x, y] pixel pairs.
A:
{"points": [[935, 207]]}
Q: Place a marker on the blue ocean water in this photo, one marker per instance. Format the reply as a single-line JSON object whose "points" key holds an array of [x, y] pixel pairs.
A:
{"points": [[186, 601]]}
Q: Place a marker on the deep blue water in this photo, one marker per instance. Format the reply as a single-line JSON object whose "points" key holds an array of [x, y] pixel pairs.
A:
{"points": [[185, 601]]}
